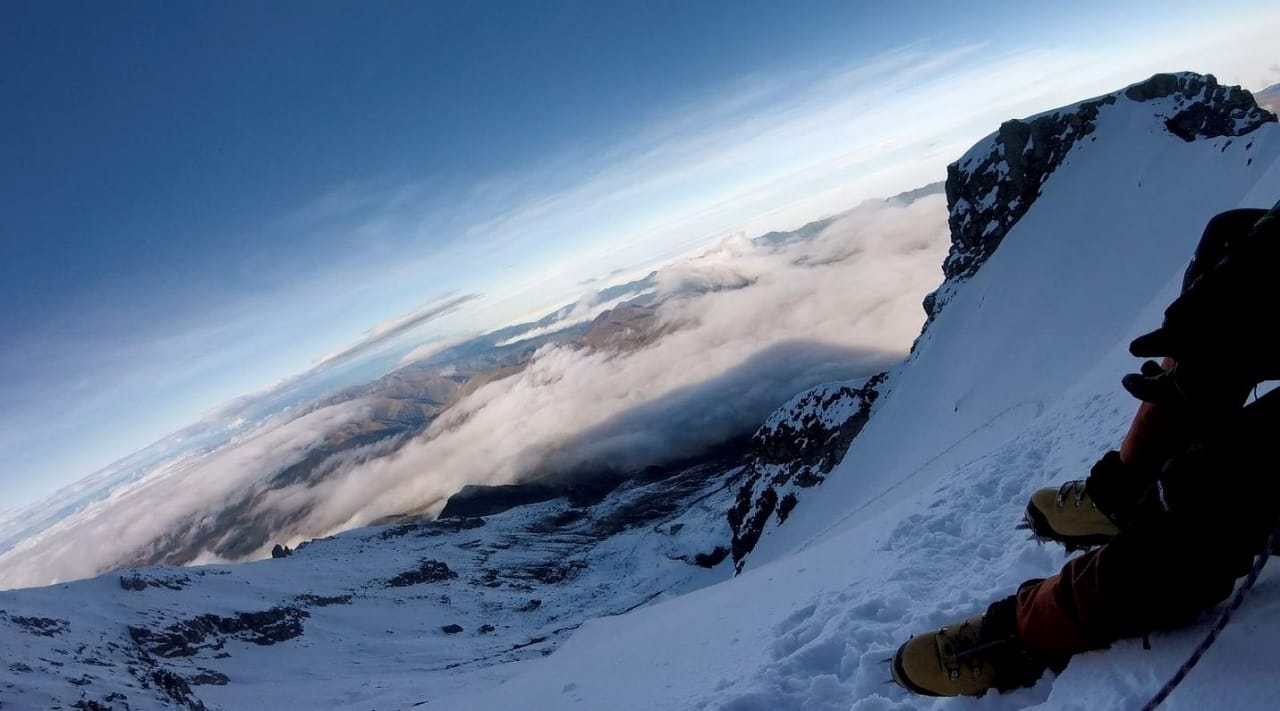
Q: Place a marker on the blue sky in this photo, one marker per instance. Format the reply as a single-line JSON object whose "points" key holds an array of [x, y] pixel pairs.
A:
{"points": [[200, 199]]}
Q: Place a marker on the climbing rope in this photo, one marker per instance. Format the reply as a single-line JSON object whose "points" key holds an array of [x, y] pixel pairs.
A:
{"points": [[1209, 639]]}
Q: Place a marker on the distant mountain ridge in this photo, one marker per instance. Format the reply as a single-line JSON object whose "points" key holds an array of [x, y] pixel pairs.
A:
{"points": [[1269, 98]]}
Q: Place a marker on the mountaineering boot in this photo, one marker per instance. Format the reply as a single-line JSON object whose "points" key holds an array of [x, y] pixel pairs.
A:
{"points": [[1068, 515], [968, 658], [1090, 512]]}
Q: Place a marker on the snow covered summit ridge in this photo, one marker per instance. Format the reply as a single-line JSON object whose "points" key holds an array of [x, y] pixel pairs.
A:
{"points": [[993, 185]]}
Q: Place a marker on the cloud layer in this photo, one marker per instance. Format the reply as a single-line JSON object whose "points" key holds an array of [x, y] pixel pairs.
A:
{"points": [[745, 328], [844, 305], [177, 498]]}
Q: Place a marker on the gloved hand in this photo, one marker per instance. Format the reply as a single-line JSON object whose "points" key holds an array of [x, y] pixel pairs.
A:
{"points": [[1225, 481], [1117, 488], [1190, 386]]}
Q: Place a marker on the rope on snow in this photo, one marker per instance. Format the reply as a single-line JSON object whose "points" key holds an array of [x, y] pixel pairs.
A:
{"points": [[1209, 639]]}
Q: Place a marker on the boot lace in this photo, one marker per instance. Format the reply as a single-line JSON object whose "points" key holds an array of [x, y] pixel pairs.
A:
{"points": [[1075, 492], [963, 649]]}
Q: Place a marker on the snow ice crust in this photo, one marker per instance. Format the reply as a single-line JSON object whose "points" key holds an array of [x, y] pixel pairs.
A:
{"points": [[1013, 386]]}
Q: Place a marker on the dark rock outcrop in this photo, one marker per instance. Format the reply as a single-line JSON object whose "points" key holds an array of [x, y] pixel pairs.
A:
{"points": [[175, 688], [475, 500], [428, 571], [438, 527], [993, 186], [579, 488], [1206, 109], [795, 449], [189, 637], [137, 582], [208, 677], [323, 600], [712, 559], [531, 605], [40, 626]]}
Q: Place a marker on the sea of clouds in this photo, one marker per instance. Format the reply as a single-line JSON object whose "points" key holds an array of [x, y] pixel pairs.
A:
{"points": [[744, 328]]}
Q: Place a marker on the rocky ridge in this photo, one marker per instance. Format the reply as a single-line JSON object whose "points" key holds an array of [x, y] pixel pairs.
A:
{"points": [[993, 185], [794, 450]]}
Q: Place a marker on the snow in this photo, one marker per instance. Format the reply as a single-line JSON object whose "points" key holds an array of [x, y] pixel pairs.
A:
{"points": [[371, 644], [1014, 387], [989, 200]]}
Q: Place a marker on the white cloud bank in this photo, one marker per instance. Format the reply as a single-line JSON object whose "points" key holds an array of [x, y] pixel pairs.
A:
{"points": [[843, 305], [181, 498]]}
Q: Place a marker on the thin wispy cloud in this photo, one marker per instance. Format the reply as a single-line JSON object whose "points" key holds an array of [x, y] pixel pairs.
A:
{"points": [[427, 350], [391, 329]]}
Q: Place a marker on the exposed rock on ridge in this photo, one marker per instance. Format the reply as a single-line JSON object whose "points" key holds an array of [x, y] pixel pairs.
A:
{"points": [[993, 185], [795, 449]]}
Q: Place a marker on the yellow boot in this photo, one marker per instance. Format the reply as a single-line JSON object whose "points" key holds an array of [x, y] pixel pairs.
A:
{"points": [[968, 658], [1068, 515]]}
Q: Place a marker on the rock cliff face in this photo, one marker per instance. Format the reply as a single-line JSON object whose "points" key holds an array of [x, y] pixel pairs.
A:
{"points": [[795, 449], [991, 187]]}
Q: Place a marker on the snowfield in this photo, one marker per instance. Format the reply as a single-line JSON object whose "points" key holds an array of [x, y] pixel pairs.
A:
{"points": [[1013, 386]]}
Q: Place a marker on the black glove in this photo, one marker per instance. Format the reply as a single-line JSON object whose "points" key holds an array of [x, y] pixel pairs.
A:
{"points": [[1223, 483], [1117, 488], [1190, 386]]}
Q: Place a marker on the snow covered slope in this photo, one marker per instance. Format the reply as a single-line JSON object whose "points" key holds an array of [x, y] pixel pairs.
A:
{"points": [[398, 615], [387, 617], [1014, 386]]}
